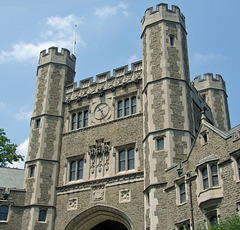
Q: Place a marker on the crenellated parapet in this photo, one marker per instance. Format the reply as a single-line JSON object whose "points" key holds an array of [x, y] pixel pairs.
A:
{"points": [[209, 82], [162, 13], [104, 81], [53, 56]]}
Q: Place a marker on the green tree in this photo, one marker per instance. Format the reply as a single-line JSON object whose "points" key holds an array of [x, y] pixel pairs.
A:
{"points": [[227, 223], [7, 150]]}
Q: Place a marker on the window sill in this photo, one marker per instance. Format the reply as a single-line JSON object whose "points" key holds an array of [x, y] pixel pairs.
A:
{"points": [[210, 194], [182, 204]]}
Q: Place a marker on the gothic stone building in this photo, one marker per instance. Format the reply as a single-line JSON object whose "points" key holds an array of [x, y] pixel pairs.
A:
{"points": [[143, 148]]}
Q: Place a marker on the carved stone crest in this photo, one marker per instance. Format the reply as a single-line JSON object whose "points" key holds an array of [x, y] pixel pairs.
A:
{"points": [[124, 195], [98, 193], [72, 203]]}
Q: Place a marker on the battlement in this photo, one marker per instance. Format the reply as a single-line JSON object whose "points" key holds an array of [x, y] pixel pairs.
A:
{"points": [[54, 56], [209, 81], [162, 13], [104, 81]]}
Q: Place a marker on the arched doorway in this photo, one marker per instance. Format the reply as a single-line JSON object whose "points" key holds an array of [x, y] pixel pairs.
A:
{"points": [[100, 217], [109, 225]]}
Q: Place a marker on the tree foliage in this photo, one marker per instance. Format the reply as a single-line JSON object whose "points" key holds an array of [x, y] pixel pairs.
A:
{"points": [[7, 150], [227, 223]]}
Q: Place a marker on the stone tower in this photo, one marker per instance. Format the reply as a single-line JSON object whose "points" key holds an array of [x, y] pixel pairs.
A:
{"points": [[213, 90], [167, 105], [55, 70]]}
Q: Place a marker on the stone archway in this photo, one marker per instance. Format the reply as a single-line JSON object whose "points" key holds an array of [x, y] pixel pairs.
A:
{"points": [[100, 216]]}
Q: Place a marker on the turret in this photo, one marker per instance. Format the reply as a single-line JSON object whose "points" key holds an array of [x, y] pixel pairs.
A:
{"points": [[55, 70], [213, 90], [168, 113]]}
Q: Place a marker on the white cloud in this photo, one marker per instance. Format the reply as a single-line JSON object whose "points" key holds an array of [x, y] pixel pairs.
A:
{"points": [[58, 31], [208, 57], [2, 105], [22, 150], [107, 11], [24, 113], [133, 58]]}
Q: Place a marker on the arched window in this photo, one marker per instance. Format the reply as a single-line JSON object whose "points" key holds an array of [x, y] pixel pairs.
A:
{"points": [[3, 212]]}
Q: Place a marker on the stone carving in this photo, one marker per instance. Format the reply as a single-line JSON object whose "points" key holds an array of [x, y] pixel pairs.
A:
{"points": [[124, 196], [98, 193], [99, 156], [72, 203]]}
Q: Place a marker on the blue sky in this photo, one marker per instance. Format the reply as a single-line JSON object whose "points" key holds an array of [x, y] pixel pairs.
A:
{"points": [[108, 36]]}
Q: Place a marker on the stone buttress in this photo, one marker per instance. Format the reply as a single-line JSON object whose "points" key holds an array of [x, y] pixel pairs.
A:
{"points": [[167, 103], [55, 70]]}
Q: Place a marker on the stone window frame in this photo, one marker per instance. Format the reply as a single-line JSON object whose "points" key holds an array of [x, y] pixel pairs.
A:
{"points": [[79, 119], [208, 166], [204, 137], [125, 148], [37, 123], [210, 215], [131, 107], [157, 140], [7, 204], [76, 159], [235, 157], [178, 183], [42, 211], [31, 171], [183, 225]]}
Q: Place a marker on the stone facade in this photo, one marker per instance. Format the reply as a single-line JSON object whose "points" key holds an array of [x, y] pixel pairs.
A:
{"points": [[144, 148]]}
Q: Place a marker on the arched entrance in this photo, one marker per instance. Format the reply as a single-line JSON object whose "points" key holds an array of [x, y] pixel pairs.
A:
{"points": [[109, 225], [100, 217]]}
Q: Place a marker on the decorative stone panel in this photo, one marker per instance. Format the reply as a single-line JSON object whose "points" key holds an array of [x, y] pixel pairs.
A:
{"points": [[124, 195]]}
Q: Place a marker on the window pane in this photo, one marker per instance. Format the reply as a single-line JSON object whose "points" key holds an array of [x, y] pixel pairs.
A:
{"points": [[130, 159], [134, 105], [72, 171], [80, 169], [74, 121], [42, 215], [32, 170], [214, 175], [205, 178], [85, 118], [3, 212], [238, 162], [160, 144], [126, 112], [80, 120], [120, 109], [122, 161], [182, 193]]}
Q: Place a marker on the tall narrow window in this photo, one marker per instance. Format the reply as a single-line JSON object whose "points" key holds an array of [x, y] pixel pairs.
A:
{"points": [[238, 165], [134, 105], [120, 109], [205, 178], [31, 171], [160, 144], [42, 215], [80, 120], [126, 107], [214, 175], [182, 193], [80, 169], [171, 40], [72, 171], [74, 117], [3, 212], [85, 118], [122, 161], [130, 159], [38, 121]]}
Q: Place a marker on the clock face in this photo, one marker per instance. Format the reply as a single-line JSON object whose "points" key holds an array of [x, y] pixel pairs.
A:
{"points": [[101, 111]]}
